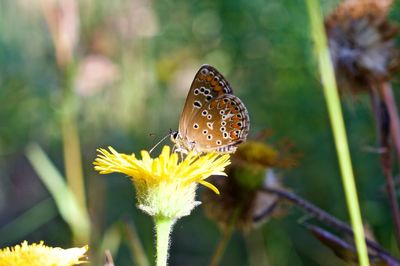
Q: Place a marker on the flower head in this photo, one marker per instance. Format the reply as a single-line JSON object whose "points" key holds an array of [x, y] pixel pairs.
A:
{"points": [[165, 187], [362, 45], [41, 255], [240, 193]]}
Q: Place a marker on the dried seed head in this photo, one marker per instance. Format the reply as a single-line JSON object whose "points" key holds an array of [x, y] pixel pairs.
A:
{"points": [[361, 42], [241, 198]]}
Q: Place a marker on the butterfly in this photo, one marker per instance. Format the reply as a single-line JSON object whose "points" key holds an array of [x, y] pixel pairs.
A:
{"points": [[213, 119]]}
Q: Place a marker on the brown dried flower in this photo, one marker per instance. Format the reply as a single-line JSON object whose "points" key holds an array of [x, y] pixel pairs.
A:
{"points": [[361, 42], [241, 200]]}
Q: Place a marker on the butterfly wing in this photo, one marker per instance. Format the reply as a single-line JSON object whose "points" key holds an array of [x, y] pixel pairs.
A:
{"points": [[224, 125], [207, 84], [213, 119]]}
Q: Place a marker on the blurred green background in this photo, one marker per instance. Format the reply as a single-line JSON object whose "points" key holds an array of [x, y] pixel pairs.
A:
{"points": [[125, 87]]}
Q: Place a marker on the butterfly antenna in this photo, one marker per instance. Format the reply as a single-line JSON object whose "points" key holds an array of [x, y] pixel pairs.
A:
{"points": [[158, 143]]}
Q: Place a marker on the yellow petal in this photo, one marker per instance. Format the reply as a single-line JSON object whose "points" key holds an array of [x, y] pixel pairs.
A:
{"points": [[210, 186]]}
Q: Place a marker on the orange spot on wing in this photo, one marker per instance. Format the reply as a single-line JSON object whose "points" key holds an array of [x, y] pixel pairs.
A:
{"points": [[236, 126], [217, 87], [213, 104], [222, 105], [235, 118], [233, 135]]}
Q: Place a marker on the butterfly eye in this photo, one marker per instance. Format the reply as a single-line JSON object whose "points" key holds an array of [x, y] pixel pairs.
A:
{"points": [[209, 117], [202, 89], [226, 135], [226, 100], [209, 137], [222, 129], [218, 142], [205, 131], [174, 135], [223, 123], [195, 126], [204, 113], [209, 97], [221, 112], [196, 91]]}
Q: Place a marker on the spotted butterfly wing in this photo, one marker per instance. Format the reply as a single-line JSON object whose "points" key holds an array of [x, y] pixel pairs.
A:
{"points": [[213, 119]]}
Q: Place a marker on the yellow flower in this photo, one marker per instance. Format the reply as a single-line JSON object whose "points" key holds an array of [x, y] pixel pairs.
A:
{"points": [[165, 187], [40, 255]]}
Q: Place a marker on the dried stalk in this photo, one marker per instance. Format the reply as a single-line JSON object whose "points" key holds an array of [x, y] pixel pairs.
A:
{"points": [[328, 219]]}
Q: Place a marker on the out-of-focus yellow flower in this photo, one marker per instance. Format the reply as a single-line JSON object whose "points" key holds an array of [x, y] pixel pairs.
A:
{"points": [[254, 157], [41, 255], [165, 187], [241, 197]]}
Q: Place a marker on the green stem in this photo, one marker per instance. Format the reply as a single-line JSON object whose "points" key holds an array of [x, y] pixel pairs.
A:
{"points": [[163, 230], [226, 236], [338, 128]]}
